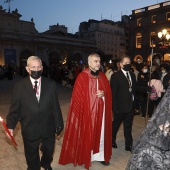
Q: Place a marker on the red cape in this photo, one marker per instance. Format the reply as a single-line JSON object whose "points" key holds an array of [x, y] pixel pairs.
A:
{"points": [[84, 117]]}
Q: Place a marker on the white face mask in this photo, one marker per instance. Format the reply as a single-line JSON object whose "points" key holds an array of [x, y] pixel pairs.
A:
{"points": [[145, 70], [163, 71]]}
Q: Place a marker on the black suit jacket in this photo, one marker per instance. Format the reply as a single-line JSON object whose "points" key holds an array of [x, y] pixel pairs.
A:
{"points": [[38, 119], [122, 101]]}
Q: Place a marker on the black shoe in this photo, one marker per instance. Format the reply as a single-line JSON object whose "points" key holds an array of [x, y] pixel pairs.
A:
{"points": [[105, 163], [128, 148], [114, 145]]}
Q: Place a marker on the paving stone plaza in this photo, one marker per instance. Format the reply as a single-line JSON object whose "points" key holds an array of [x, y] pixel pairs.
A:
{"points": [[12, 158]]}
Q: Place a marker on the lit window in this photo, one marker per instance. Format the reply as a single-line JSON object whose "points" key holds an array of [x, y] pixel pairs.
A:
{"points": [[153, 19], [153, 38], [168, 16], [138, 40], [139, 22]]}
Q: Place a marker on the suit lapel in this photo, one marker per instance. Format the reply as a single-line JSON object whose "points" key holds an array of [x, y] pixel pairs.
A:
{"points": [[29, 88], [124, 77], [43, 87]]}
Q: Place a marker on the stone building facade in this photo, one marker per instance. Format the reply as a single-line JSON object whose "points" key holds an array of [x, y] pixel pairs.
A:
{"points": [[145, 23], [20, 39], [109, 36]]}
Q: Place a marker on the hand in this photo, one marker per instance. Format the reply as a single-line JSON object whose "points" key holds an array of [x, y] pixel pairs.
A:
{"points": [[60, 133], [100, 93], [11, 131], [59, 130]]}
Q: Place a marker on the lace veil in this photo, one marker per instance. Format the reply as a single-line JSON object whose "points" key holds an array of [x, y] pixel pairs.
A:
{"points": [[152, 149]]}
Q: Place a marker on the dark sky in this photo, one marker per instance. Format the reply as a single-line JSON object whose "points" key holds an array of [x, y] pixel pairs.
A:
{"points": [[71, 12]]}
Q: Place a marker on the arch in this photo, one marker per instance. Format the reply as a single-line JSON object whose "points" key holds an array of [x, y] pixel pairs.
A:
{"points": [[138, 57], [138, 34]]}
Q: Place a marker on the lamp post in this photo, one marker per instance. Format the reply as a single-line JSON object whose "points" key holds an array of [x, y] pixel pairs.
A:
{"points": [[165, 37]]}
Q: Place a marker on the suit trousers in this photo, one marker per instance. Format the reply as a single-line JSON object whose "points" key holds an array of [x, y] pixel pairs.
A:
{"points": [[31, 149], [127, 119]]}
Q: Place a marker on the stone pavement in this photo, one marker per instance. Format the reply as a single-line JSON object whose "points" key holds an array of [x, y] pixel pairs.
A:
{"points": [[12, 158]]}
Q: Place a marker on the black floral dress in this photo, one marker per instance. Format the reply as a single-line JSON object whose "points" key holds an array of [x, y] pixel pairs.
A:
{"points": [[152, 150]]}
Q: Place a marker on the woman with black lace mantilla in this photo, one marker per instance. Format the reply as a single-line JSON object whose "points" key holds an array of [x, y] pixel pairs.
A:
{"points": [[152, 150]]}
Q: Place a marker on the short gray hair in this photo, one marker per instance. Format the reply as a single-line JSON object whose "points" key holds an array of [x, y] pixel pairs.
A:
{"points": [[33, 58], [92, 55]]}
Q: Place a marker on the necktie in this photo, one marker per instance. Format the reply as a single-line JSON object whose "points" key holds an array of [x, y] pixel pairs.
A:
{"points": [[127, 75], [35, 86]]}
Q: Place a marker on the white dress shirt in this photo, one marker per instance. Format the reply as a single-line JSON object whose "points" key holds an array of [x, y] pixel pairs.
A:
{"points": [[38, 86]]}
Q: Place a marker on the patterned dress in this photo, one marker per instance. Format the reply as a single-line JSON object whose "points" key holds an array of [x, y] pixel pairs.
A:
{"points": [[152, 150]]}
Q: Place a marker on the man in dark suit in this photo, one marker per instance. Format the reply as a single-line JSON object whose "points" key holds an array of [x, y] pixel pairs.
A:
{"points": [[35, 104], [123, 86]]}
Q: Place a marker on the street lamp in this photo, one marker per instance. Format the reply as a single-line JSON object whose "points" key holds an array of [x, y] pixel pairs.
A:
{"points": [[165, 37]]}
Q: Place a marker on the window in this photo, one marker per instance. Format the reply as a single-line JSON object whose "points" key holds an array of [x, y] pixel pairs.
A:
{"points": [[153, 38], [139, 22], [138, 40], [168, 16], [153, 19]]}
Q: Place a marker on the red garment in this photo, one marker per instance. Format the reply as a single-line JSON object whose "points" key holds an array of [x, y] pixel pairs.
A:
{"points": [[83, 127]]}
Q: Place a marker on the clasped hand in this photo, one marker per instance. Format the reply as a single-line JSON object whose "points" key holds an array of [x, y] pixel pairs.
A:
{"points": [[100, 93], [59, 132]]}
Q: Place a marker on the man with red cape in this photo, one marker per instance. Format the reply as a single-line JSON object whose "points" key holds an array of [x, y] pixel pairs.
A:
{"points": [[88, 133]]}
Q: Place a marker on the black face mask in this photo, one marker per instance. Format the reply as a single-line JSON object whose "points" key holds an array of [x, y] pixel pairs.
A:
{"points": [[127, 67], [36, 74]]}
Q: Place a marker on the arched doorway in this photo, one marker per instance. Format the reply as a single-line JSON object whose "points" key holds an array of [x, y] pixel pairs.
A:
{"points": [[138, 58]]}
